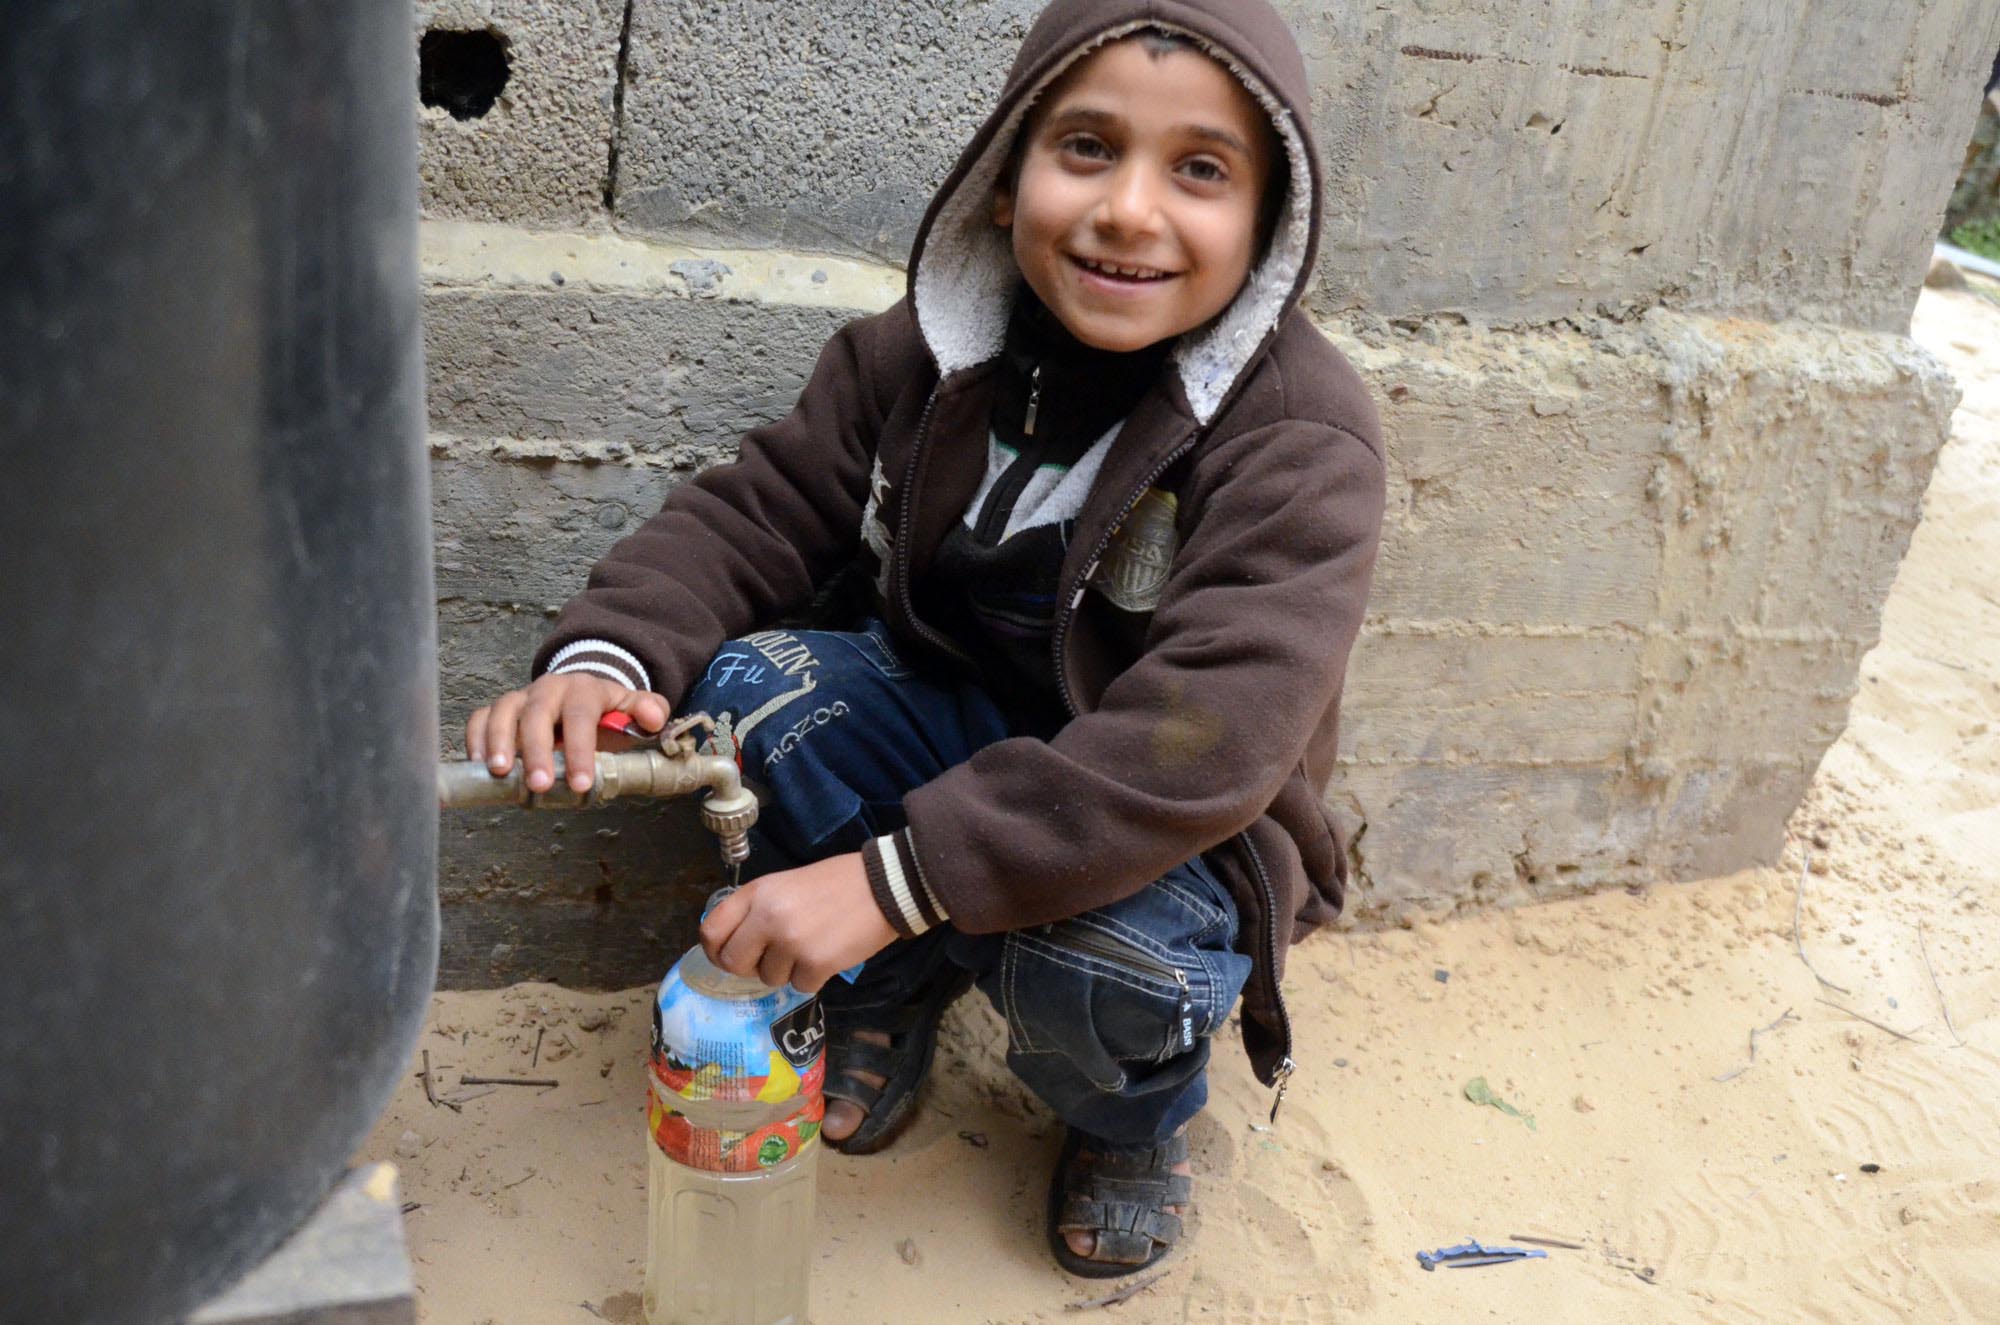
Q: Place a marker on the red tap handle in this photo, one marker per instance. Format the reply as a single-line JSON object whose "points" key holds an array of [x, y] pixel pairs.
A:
{"points": [[622, 723]]}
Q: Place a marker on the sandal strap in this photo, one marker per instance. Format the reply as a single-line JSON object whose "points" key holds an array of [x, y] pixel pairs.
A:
{"points": [[1136, 1164], [1117, 1247], [860, 1056], [1170, 1189], [1119, 1217], [864, 1095]]}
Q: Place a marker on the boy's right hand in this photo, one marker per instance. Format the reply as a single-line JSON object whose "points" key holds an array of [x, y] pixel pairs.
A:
{"points": [[525, 722]]}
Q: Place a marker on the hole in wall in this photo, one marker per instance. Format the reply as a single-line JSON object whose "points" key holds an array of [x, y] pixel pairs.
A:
{"points": [[462, 72]]}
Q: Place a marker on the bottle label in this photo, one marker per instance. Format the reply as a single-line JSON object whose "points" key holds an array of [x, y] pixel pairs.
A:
{"points": [[800, 1034], [723, 1150], [735, 1082]]}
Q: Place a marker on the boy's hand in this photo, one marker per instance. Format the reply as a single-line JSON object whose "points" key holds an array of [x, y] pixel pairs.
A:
{"points": [[525, 721], [798, 928]]}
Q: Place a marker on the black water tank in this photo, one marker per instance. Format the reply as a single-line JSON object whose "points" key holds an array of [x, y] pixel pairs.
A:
{"points": [[218, 719]]}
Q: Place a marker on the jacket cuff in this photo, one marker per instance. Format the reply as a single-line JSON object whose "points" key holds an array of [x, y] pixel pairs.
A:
{"points": [[899, 886], [601, 658]]}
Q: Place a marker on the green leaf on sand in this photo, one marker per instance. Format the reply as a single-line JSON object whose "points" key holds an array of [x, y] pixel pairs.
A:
{"points": [[1479, 1092]]}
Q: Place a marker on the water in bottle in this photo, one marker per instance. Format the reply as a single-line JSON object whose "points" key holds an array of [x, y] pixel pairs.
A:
{"points": [[733, 1111]]}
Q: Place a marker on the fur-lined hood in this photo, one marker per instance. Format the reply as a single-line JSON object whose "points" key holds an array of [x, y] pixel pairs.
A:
{"points": [[962, 271]]}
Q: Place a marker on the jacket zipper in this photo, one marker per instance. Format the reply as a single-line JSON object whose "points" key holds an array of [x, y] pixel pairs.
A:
{"points": [[1066, 613], [1092, 943], [900, 550], [990, 522], [1282, 1078]]}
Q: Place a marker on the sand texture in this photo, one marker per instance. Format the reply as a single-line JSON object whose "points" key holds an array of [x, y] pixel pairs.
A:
{"points": [[1701, 1185]]}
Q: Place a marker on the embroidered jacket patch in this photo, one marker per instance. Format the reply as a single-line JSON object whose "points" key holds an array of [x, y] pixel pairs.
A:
{"points": [[1133, 574]]}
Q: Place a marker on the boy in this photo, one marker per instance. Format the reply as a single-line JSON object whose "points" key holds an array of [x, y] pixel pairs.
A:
{"points": [[1112, 505]]}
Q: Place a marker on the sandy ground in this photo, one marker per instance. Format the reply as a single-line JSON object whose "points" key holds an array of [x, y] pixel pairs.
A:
{"points": [[1701, 1186]]}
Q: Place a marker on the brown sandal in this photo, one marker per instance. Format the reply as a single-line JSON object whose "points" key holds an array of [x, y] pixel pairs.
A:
{"points": [[1120, 1193], [903, 1063]]}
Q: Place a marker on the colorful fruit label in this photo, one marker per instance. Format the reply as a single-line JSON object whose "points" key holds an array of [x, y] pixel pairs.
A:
{"points": [[709, 1054]]}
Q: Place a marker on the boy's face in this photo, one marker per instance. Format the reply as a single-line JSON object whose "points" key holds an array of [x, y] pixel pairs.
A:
{"points": [[1135, 210]]}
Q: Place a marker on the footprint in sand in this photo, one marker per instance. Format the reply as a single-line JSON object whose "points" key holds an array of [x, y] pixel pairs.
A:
{"points": [[1908, 1102], [1277, 1194], [622, 1309]]}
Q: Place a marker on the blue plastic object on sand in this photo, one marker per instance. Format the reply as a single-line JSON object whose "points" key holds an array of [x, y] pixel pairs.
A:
{"points": [[1471, 1252]]}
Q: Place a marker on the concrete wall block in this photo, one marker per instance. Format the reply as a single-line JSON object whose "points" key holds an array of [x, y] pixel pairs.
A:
{"points": [[1586, 141], [1445, 837], [1519, 467], [1568, 729], [483, 652], [606, 899], [1675, 473], [1725, 698], [1391, 666], [1583, 136], [1571, 545], [671, 382], [509, 531], [542, 153], [615, 853], [1473, 110], [1442, 836], [578, 945], [1721, 818], [1793, 473], [768, 123], [1490, 699]]}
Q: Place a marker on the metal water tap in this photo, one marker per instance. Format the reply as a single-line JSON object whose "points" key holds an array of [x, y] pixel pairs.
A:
{"points": [[673, 766]]}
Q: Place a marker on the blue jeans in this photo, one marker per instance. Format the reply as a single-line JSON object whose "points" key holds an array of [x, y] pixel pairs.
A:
{"points": [[1108, 1013]]}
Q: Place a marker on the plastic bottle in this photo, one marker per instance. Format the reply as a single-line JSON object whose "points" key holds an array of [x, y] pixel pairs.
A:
{"points": [[733, 1111]]}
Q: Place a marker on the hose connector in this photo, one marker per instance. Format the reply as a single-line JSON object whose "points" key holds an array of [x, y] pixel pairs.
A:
{"points": [[730, 818]]}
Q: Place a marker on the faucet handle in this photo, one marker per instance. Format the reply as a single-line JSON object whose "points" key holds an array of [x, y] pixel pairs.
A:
{"points": [[626, 725], [667, 738], [675, 731]]}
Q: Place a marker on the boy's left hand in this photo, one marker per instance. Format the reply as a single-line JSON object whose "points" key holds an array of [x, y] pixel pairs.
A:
{"points": [[800, 927]]}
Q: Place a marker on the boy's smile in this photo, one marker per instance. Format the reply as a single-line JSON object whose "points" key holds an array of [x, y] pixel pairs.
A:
{"points": [[1135, 210]]}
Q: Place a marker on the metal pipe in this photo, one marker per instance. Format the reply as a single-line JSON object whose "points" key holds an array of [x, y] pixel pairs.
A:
{"points": [[729, 810]]}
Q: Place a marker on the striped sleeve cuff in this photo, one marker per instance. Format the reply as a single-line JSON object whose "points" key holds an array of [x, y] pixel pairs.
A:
{"points": [[898, 882], [601, 658]]}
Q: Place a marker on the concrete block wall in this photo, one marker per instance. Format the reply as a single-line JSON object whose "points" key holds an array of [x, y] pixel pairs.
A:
{"points": [[1630, 280]]}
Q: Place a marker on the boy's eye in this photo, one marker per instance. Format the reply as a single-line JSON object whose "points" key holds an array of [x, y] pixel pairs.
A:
{"points": [[1206, 170], [1085, 145]]}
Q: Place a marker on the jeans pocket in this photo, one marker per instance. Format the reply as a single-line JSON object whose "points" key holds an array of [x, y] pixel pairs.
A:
{"points": [[873, 644], [1076, 989], [1200, 892]]}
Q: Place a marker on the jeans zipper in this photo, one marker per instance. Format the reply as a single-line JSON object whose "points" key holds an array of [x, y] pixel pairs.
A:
{"points": [[1094, 943]]}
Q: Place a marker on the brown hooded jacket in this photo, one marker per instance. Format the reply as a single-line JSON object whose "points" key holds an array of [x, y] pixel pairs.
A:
{"points": [[1212, 590]]}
